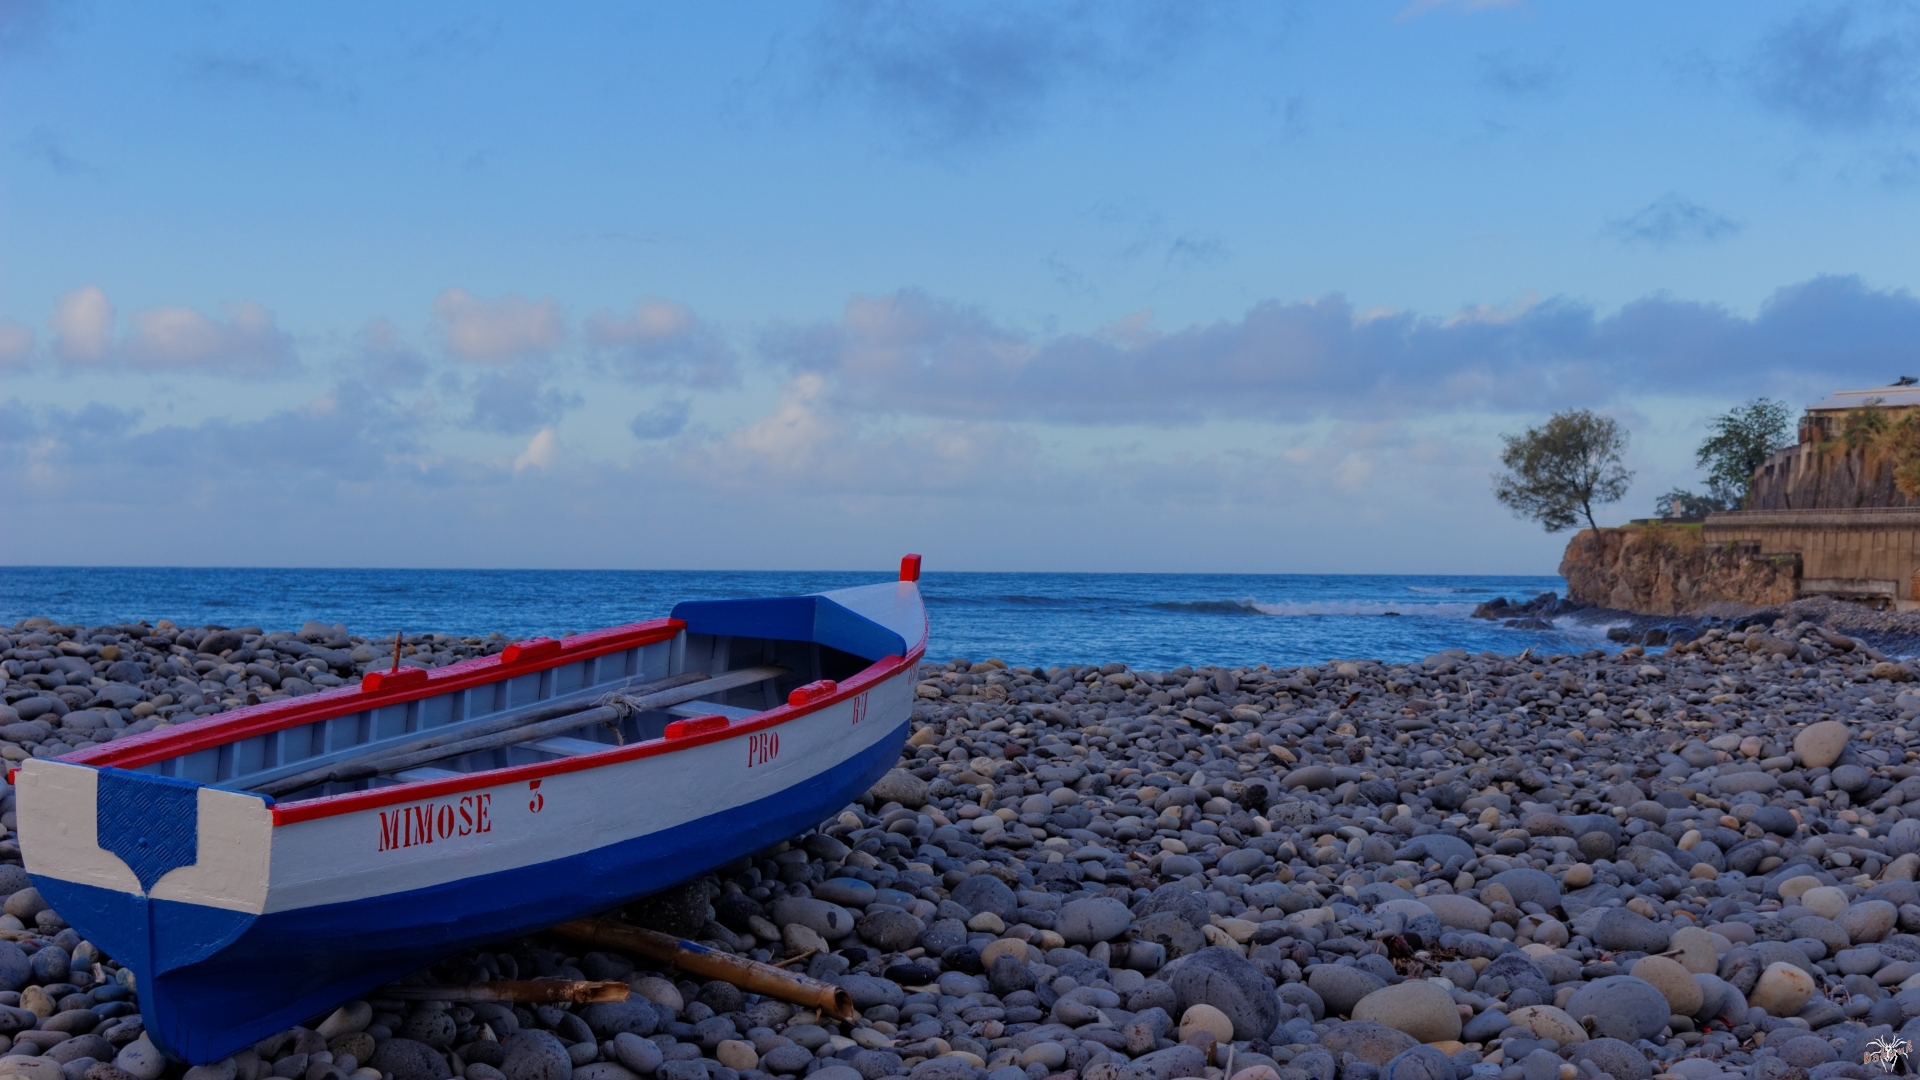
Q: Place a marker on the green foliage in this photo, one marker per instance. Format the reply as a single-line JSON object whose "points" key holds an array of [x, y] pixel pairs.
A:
{"points": [[1556, 472], [1742, 440], [1863, 427], [1680, 503]]}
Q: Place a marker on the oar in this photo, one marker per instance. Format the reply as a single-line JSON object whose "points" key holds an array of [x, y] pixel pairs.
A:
{"points": [[456, 732], [397, 759]]}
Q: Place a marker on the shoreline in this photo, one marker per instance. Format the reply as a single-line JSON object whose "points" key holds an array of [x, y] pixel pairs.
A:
{"points": [[1622, 862]]}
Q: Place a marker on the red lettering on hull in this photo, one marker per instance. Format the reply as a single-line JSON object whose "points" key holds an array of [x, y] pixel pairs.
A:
{"points": [[423, 823], [762, 747]]}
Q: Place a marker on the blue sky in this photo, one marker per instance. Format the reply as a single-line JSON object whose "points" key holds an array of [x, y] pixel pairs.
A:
{"points": [[1118, 286]]}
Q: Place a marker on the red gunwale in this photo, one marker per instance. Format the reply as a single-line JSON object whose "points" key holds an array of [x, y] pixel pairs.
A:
{"points": [[888, 667], [223, 728]]}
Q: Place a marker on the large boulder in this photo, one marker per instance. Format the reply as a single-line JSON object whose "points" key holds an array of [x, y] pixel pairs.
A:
{"points": [[1220, 977]]}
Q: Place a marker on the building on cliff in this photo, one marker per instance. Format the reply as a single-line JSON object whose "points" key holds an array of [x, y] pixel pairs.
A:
{"points": [[1821, 471], [1826, 517]]}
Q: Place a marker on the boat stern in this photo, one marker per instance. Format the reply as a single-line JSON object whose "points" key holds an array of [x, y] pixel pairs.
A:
{"points": [[160, 873]]}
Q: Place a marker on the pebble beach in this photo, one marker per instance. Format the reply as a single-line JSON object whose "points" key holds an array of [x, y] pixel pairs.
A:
{"points": [[1684, 863]]}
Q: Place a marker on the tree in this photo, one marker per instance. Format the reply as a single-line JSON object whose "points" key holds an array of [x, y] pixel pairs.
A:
{"points": [[1741, 441], [1556, 472], [1680, 503]]}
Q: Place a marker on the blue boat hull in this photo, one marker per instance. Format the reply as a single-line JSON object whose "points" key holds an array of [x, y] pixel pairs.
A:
{"points": [[202, 1008]]}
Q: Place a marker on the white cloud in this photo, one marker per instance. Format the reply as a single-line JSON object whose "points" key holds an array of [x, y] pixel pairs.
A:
{"points": [[496, 331], [246, 342], [178, 338], [661, 341], [1281, 361], [16, 345], [83, 326], [542, 451]]}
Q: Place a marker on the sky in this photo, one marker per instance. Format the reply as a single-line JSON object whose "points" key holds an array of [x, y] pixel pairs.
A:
{"points": [[1119, 286]]}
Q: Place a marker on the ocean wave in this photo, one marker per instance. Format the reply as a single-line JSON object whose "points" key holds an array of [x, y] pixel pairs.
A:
{"points": [[1210, 607], [1444, 591], [1362, 607], [1304, 608]]}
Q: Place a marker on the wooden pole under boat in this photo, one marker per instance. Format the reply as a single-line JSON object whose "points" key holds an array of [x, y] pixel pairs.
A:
{"points": [[456, 741], [746, 974], [523, 991]]}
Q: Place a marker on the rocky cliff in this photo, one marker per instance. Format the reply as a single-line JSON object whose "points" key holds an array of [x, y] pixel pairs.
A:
{"points": [[1669, 570]]}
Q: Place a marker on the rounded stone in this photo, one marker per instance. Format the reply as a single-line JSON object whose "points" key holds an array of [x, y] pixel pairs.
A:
{"points": [[659, 991], [1804, 1051], [1782, 990], [1180, 866], [1673, 980], [1460, 912], [1620, 1007], [593, 1070], [1620, 930], [345, 1020], [889, 929], [1419, 1063], [411, 1059], [786, 1060], [831, 921], [1417, 1007], [1309, 778], [1693, 949], [1547, 1022], [1821, 744], [1615, 1058], [1825, 901], [641, 1055], [1851, 779], [1092, 920], [902, 787], [534, 1055], [142, 1060], [1527, 885], [1204, 1017], [984, 892], [847, 892], [1511, 972], [1375, 1044], [25, 904], [737, 1055], [1868, 920], [1049, 1054], [1012, 947], [1797, 886], [1221, 977], [607, 1019], [1342, 987]]}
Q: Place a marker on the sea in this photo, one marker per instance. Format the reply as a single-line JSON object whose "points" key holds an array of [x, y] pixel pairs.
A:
{"points": [[1147, 621]]}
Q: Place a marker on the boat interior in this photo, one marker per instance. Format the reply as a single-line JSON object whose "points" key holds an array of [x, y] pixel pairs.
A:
{"points": [[528, 713]]}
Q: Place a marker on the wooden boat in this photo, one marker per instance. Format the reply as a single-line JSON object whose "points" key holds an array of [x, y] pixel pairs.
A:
{"points": [[257, 868]]}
